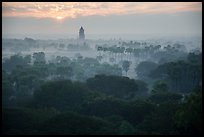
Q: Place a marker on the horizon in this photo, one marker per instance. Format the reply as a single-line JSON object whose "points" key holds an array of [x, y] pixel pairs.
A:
{"points": [[29, 19], [104, 36]]}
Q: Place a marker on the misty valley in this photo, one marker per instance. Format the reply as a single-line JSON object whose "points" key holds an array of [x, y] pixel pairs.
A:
{"points": [[105, 87]]}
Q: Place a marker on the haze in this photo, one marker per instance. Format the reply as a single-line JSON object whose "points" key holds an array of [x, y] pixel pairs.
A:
{"points": [[80, 68], [101, 20]]}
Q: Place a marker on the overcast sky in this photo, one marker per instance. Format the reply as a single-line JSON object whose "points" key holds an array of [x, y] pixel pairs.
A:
{"points": [[38, 18]]}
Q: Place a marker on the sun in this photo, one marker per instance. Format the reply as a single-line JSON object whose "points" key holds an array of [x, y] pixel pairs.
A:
{"points": [[59, 18]]}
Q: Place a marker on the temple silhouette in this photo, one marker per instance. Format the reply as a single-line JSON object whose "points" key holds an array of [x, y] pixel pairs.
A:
{"points": [[81, 34]]}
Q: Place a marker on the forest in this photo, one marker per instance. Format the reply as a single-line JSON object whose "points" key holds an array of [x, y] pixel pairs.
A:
{"points": [[100, 88]]}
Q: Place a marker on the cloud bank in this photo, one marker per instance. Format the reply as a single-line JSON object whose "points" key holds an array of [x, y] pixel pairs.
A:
{"points": [[62, 10]]}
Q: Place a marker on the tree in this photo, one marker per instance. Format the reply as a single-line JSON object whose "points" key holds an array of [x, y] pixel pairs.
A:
{"points": [[188, 118], [160, 121], [61, 46], [70, 123], [62, 95], [27, 59], [135, 111], [26, 121], [39, 58], [64, 72], [144, 68], [126, 65], [161, 95], [181, 76], [195, 59], [102, 105], [16, 60], [129, 50], [108, 69], [121, 87], [159, 87], [7, 90]]}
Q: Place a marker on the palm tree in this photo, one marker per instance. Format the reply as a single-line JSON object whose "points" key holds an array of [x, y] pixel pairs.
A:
{"points": [[129, 50], [126, 66]]}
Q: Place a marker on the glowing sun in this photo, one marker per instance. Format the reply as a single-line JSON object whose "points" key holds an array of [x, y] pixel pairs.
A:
{"points": [[59, 18]]}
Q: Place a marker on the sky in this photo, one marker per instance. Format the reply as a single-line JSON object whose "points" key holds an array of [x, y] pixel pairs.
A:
{"points": [[63, 19]]}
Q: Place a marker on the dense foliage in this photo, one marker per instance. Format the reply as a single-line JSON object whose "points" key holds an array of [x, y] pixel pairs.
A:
{"points": [[88, 96]]}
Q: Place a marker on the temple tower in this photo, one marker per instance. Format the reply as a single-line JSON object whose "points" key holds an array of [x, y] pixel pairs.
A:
{"points": [[81, 34]]}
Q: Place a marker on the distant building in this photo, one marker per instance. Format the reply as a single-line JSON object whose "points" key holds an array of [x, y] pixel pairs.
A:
{"points": [[81, 34]]}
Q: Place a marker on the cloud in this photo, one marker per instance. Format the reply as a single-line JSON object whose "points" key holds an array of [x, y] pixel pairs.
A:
{"points": [[61, 10]]}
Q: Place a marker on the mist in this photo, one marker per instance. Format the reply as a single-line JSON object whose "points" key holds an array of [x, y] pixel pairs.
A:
{"points": [[102, 68], [179, 24]]}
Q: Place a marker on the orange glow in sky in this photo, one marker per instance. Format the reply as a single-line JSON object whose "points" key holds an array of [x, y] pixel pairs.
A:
{"points": [[62, 10]]}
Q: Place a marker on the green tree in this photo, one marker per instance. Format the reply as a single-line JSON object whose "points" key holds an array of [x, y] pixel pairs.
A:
{"points": [[64, 72], [11, 63], [62, 95], [39, 58], [144, 68], [159, 87], [121, 87], [7, 90], [160, 94], [126, 66], [71, 123], [188, 118]]}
